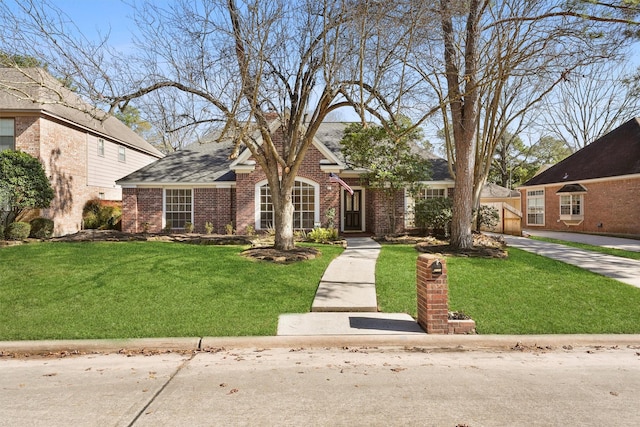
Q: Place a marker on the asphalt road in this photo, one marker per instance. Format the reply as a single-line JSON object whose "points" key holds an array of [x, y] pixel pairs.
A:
{"points": [[531, 385]]}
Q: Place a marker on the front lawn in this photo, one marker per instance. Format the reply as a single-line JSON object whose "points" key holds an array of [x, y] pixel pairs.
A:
{"points": [[524, 294], [148, 289]]}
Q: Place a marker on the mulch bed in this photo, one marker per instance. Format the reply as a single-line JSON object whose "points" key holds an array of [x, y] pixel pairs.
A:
{"points": [[484, 246], [275, 255]]}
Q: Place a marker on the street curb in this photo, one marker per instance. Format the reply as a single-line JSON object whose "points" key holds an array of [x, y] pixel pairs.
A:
{"points": [[434, 342]]}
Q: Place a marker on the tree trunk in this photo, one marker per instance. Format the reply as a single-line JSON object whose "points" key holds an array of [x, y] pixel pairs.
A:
{"points": [[463, 197], [283, 218]]}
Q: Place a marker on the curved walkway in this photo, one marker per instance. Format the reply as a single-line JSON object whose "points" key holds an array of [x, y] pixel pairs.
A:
{"points": [[622, 269]]}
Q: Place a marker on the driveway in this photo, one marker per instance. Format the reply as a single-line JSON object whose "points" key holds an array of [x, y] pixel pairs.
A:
{"points": [[622, 269], [590, 239]]}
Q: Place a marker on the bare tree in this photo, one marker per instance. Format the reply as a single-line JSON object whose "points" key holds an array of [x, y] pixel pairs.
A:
{"points": [[590, 102], [225, 64], [498, 59]]}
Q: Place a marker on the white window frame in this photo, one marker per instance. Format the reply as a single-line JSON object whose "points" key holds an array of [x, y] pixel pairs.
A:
{"points": [[258, 204], [165, 211], [8, 123], [122, 154], [539, 209], [576, 200], [100, 146], [410, 201]]}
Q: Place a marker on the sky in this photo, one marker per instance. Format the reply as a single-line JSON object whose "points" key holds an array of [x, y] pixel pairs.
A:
{"points": [[93, 17]]}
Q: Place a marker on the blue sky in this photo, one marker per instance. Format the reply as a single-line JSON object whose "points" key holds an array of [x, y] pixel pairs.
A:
{"points": [[95, 17]]}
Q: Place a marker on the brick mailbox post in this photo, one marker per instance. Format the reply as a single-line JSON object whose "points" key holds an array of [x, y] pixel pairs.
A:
{"points": [[433, 298]]}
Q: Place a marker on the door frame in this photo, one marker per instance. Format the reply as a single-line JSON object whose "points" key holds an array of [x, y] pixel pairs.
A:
{"points": [[363, 208]]}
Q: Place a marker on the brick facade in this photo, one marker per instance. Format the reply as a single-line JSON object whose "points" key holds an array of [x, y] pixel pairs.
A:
{"points": [[310, 169], [609, 206], [62, 149], [237, 206], [379, 222]]}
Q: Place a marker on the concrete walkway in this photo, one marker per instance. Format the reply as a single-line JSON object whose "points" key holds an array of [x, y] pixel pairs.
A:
{"points": [[345, 302], [622, 269]]}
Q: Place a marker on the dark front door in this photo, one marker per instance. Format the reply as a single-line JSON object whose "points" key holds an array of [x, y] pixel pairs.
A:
{"points": [[353, 210]]}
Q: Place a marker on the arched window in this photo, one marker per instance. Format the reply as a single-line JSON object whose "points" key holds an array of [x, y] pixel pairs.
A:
{"points": [[306, 203]]}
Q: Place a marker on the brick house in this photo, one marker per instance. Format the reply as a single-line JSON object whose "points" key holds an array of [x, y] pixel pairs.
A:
{"points": [[201, 184], [595, 190], [83, 150]]}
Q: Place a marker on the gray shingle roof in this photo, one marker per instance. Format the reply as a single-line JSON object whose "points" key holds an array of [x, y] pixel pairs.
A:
{"points": [[34, 90], [614, 154], [209, 162], [196, 164]]}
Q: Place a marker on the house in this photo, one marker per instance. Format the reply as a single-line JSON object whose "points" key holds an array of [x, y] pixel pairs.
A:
{"points": [[83, 150], [595, 190], [201, 184]]}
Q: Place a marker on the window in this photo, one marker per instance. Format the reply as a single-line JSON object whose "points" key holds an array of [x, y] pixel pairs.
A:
{"points": [[101, 147], [304, 206], [571, 206], [122, 155], [178, 207], [266, 208], [7, 134], [432, 193], [535, 207]]}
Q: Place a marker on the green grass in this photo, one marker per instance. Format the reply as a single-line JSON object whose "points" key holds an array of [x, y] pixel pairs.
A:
{"points": [[524, 294], [600, 249], [147, 289]]}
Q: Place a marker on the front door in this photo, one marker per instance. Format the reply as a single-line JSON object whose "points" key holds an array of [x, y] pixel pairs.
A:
{"points": [[353, 210]]}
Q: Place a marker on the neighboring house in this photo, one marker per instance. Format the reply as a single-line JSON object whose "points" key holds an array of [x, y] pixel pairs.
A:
{"points": [[595, 190], [201, 184], [507, 203], [83, 150]]}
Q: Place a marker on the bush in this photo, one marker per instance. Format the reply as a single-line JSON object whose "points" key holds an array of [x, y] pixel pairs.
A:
{"points": [[41, 228], [434, 214], [98, 214], [323, 235], [208, 227], [487, 216], [17, 231], [1, 232]]}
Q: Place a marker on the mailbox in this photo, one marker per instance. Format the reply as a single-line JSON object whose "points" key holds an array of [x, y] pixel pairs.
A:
{"points": [[436, 268]]}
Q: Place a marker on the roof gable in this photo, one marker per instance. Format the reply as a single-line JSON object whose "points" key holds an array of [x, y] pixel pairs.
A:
{"points": [[327, 151], [614, 154]]}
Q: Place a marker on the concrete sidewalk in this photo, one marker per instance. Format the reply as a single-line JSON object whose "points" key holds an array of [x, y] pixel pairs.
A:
{"points": [[346, 303], [624, 270]]}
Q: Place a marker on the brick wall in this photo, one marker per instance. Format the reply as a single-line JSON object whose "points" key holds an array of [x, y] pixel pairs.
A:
{"points": [[310, 169], [433, 299], [378, 219], [214, 205], [609, 207], [140, 206]]}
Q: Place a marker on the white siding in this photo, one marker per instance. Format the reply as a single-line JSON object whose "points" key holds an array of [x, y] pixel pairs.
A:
{"points": [[104, 171]]}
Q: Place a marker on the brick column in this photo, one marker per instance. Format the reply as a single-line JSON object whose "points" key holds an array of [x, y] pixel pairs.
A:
{"points": [[433, 294]]}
